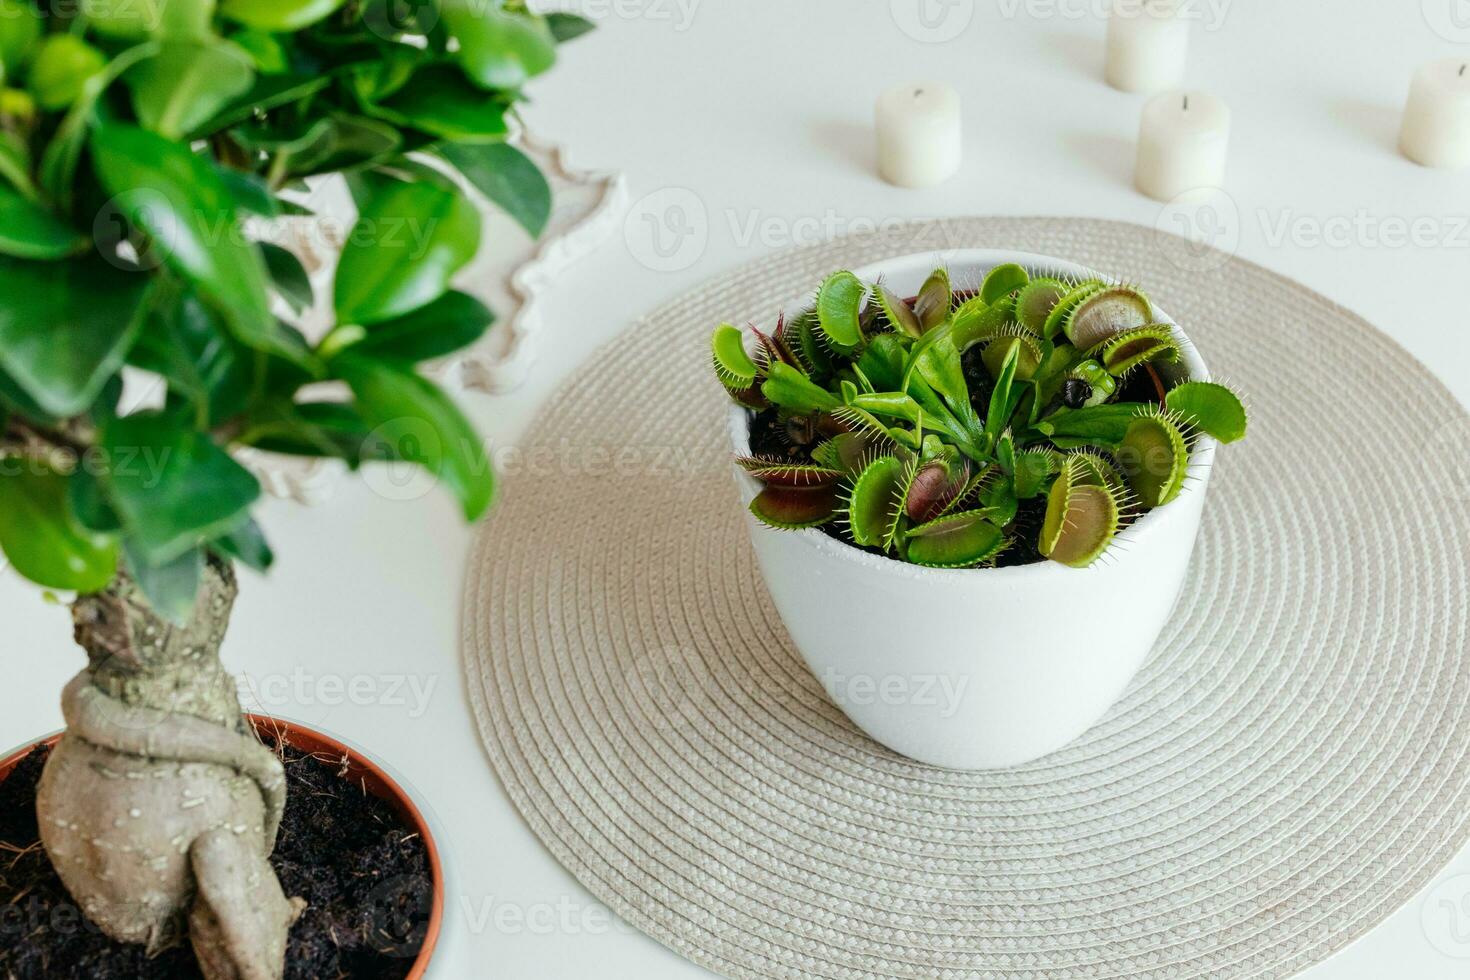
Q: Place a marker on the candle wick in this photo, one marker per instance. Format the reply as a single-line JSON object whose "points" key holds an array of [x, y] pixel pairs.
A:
{"points": [[918, 92], [1463, 67], [1186, 103]]}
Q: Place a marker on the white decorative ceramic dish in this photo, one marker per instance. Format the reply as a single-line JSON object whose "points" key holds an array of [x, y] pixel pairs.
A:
{"points": [[989, 667]]}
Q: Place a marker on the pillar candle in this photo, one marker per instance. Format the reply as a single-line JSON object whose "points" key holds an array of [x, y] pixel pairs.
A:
{"points": [[1182, 139], [1148, 41], [1436, 128], [919, 134]]}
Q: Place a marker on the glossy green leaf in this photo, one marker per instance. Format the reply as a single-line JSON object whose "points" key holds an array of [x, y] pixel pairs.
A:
{"points": [[422, 426], [133, 20], [288, 275], [1057, 318], [172, 487], [876, 505], [63, 64], [839, 305], [998, 495], [890, 404], [1001, 281], [940, 366], [265, 49], [179, 200], [439, 101], [847, 452], [897, 311], [1036, 301], [87, 500], [250, 193], [1105, 314], [187, 345], [170, 587], [40, 538], [960, 540], [567, 27], [278, 15], [498, 49], [1155, 459], [883, 361], [15, 165], [450, 323], [790, 508], [1210, 407], [1125, 351], [20, 29], [733, 366], [321, 429], [795, 392], [186, 83], [998, 413], [66, 326], [247, 545], [29, 230], [975, 321], [1101, 424], [59, 160], [1081, 520], [268, 92], [1031, 468], [507, 177], [784, 473], [1027, 353], [409, 240], [325, 144]]}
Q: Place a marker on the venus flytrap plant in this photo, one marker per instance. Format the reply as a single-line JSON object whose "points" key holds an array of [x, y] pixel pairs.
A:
{"points": [[1022, 420]]}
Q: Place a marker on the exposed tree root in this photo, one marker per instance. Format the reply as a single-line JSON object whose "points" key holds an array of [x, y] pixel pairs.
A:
{"points": [[159, 807]]}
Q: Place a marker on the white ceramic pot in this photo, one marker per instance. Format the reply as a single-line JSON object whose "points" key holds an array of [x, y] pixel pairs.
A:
{"points": [[979, 668]]}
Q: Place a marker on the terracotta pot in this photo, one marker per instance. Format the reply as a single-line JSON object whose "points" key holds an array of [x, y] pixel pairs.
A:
{"points": [[359, 769]]}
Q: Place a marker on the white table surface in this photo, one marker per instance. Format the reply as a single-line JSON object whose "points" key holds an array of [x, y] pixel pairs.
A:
{"points": [[753, 118]]}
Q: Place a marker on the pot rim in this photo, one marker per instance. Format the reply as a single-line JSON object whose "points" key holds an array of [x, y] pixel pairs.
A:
{"points": [[375, 779], [1147, 527]]}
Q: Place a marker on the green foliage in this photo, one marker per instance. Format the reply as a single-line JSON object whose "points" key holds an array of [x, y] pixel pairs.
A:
{"points": [[1210, 407], [956, 541], [1154, 457], [382, 276], [41, 538], [1082, 515], [733, 366], [960, 429], [65, 327], [135, 141], [1104, 314], [839, 302]]}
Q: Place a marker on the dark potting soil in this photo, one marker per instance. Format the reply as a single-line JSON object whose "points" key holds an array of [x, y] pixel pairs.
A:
{"points": [[365, 876]]}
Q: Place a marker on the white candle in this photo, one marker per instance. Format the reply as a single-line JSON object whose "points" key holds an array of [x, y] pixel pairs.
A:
{"points": [[919, 134], [1436, 129], [1182, 139], [1148, 44]]}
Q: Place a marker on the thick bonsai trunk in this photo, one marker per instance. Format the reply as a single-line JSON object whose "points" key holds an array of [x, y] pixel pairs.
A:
{"points": [[159, 807]]}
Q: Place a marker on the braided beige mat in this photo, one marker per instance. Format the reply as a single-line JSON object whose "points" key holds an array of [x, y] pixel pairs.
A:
{"points": [[1288, 768]]}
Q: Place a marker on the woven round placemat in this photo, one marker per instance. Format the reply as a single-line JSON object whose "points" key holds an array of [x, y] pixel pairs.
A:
{"points": [[1288, 768]]}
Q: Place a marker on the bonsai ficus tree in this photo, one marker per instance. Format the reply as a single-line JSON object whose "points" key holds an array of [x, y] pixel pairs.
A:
{"points": [[1023, 420], [140, 144]]}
